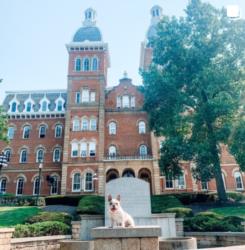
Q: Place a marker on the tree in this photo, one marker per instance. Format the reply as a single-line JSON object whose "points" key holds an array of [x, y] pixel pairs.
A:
{"points": [[193, 88], [3, 124]]}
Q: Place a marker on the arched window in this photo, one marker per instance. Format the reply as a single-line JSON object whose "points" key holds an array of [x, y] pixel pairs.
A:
{"points": [[93, 124], [76, 182], [76, 125], [3, 185], [54, 185], [74, 149], [128, 173], [59, 105], [40, 155], [7, 153], [86, 64], [112, 151], [142, 129], [26, 132], [36, 186], [42, 131], [23, 156], [58, 131], [83, 149], [78, 64], [92, 149], [28, 107], [143, 150], [14, 107], [10, 133], [238, 180], [56, 155], [112, 128], [44, 106], [89, 187], [85, 124], [20, 186], [95, 64]]}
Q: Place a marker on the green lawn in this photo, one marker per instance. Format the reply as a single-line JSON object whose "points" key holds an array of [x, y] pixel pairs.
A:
{"points": [[10, 216], [230, 211]]}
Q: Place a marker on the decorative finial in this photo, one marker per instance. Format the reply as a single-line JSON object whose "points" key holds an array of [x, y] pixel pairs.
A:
{"points": [[125, 74], [90, 17]]}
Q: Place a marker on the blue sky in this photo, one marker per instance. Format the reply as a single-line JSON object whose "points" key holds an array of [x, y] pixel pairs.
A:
{"points": [[33, 34]]}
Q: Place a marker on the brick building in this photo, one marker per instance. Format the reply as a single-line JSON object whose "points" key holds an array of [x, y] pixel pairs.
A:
{"points": [[90, 130]]}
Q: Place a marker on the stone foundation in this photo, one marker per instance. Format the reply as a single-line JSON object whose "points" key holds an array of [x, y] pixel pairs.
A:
{"points": [[138, 238]]}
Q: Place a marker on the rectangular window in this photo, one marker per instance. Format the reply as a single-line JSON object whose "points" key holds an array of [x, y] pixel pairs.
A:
{"points": [[125, 101], [169, 182], [74, 150], [204, 185], [76, 125], [181, 181], [132, 101], [92, 96], [119, 102], [83, 149], [26, 132], [92, 149], [78, 96], [85, 95]]}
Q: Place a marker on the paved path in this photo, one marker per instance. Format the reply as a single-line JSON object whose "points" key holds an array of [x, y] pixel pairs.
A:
{"points": [[227, 248], [60, 208]]}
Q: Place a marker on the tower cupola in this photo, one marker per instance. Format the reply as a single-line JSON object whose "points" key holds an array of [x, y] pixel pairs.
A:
{"points": [[156, 15]]}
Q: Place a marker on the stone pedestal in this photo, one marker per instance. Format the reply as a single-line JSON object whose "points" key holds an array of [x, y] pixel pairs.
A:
{"points": [[137, 238]]}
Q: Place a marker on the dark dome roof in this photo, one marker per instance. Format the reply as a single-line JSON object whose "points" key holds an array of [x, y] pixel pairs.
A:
{"points": [[90, 33]]}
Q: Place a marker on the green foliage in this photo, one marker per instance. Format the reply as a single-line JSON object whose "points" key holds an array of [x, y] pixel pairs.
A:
{"points": [[71, 200], [236, 210], [237, 144], [189, 198], [193, 88], [160, 203], [24, 200], [41, 229], [236, 196], [11, 216], [211, 222], [50, 216], [180, 212], [91, 204]]}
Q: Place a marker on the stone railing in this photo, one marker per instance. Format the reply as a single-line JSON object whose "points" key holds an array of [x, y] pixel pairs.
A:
{"points": [[132, 157]]}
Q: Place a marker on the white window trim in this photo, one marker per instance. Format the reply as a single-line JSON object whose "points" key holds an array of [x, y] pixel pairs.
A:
{"points": [[240, 175], [76, 190], [84, 186], [17, 184], [59, 155]]}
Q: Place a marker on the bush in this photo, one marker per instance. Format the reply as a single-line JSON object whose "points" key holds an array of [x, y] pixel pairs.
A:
{"points": [[41, 229], [189, 198], [235, 196], [11, 200], [72, 200], [159, 203], [91, 204], [211, 222], [180, 212], [50, 216]]}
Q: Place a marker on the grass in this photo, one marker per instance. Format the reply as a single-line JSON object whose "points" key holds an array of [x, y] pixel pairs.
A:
{"points": [[11, 216], [230, 211]]}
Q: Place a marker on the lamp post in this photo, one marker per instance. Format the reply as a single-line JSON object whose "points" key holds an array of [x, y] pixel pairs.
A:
{"points": [[39, 181], [3, 163]]}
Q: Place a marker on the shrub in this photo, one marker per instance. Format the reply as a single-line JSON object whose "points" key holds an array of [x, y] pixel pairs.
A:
{"points": [[189, 198], [11, 200], [159, 203], [180, 212], [50, 216], [91, 204], [41, 229], [235, 196], [72, 200], [211, 222]]}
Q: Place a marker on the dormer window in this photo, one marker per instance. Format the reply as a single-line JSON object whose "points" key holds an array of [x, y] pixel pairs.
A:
{"points": [[13, 107], [28, 107], [44, 106], [78, 64], [59, 105], [125, 101]]}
